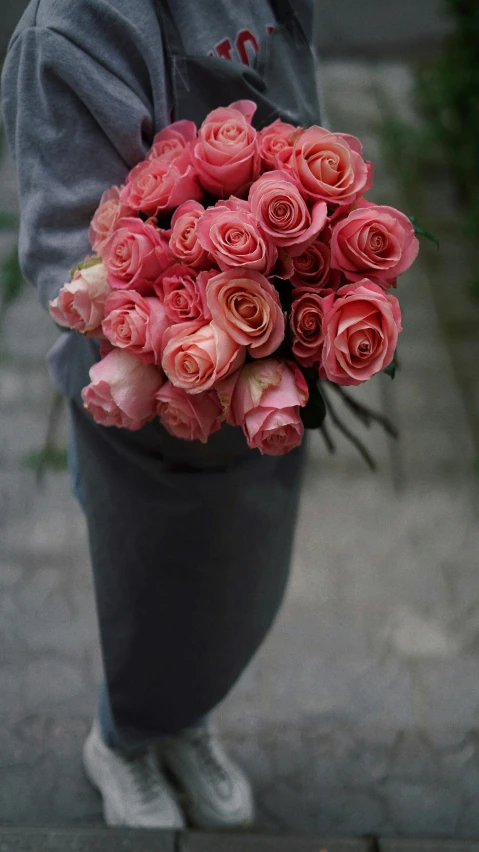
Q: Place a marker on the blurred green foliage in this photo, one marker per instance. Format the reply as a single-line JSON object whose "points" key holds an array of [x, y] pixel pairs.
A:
{"points": [[447, 136], [12, 283], [448, 94], [11, 278]]}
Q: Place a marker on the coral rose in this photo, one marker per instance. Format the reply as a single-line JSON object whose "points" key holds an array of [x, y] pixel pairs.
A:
{"points": [[246, 305], [312, 268], [122, 391], [171, 142], [361, 324], [80, 303], [184, 241], [226, 156], [196, 356], [282, 213], [232, 238], [192, 417], [307, 326], [274, 138], [135, 323], [106, 217], [265, 402], [183, 293], [373, 240], [136, 255], [158, 186], [329, 166]]}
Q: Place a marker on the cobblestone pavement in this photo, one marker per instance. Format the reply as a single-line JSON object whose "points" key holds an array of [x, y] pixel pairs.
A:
{"points": [[360, 714]]}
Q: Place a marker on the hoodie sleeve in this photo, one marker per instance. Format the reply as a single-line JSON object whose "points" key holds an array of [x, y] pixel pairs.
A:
{"points": [[74, 128]]}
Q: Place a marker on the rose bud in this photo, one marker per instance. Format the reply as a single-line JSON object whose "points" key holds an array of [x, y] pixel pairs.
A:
{"points": [[265, 402], [80, 303], [122, 391]]}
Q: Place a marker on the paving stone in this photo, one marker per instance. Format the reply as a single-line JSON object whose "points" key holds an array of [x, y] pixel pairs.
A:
{"points": [[351, 30], [412, 758], [23, 387], [17, 336], [450, 689], [23, 738], [289, 809], [422, 809], [21, 799], [10, 689], [412, 635], [191, 842], [367, 766], [427, 846], [468, 823], [10, 574], [85, 840], [48, 680]]}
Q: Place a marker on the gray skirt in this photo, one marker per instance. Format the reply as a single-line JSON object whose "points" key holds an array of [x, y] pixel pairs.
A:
{"points": [[190, 547]]}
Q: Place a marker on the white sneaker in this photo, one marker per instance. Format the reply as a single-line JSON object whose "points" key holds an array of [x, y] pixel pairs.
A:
{"points": [[134, 790], [217, 794]]}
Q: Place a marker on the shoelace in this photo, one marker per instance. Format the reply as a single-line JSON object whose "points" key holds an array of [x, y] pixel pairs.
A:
{"points": [[145, 777], [203, 743]]}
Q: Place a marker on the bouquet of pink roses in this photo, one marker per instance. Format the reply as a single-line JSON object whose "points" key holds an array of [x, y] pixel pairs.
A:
{"points": [[235, 273]]}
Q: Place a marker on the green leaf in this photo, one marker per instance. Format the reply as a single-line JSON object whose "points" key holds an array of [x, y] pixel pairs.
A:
{"points": [[421, 232], [12, 281], [314, 411], [48, 458], [390, 370], [92, 260], [8, 221]]}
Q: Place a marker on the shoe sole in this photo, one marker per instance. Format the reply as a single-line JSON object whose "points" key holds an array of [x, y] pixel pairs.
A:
{"points": [[108, 814], [188, 808]]}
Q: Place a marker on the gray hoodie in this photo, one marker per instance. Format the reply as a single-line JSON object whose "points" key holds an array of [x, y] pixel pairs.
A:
{"points": [[84, 90]]}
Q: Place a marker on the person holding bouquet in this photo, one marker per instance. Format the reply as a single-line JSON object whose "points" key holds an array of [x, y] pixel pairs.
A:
{"points": [[190, 542]]}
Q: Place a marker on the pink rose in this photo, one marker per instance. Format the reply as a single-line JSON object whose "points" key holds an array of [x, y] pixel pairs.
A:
{"points": [[106, 217], [265, 401], [373, 240], [135, 323], [158, 186], [172, 141], [196, 356], [136, 255], [307, 326], [80, 303], [192, 417], [329, 166], [232, 238], [311, 268], [247, 306], [282, 213], [277, 137], [184, 241], [183, 293], [361, 325], [226, 156], [122, 391]]}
